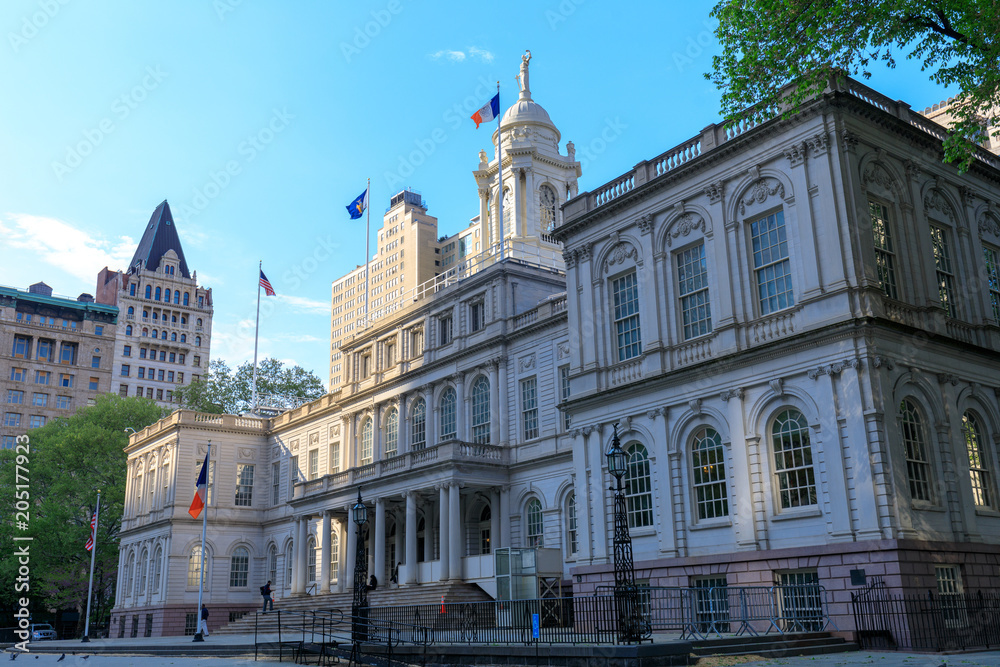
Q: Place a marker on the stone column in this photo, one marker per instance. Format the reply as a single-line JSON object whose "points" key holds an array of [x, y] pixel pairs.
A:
{"points": [[444, 525], [505, 515], [324, 562], [399, 546], [429, 532], [378, 529], [352, 549], [494, 402], [377, 444], [583, 492], [342, 571], [495, 520], [496, 409], [403, 431], [462, 429], [430, 417], [742, 502], [454, 532], [600, 510], [299, 571], [410, 559]]}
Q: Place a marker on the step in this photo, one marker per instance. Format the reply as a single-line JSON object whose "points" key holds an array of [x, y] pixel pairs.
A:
{"points": [[774, 646]]}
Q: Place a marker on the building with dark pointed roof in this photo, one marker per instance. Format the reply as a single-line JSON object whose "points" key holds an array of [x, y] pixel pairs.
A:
{"points": [[165, 326]]}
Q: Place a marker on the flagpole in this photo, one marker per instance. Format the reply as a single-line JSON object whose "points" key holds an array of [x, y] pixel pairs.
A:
{"points": [[93, 555], [256, 333], [368, 209], [204, 522], [499, 175]]}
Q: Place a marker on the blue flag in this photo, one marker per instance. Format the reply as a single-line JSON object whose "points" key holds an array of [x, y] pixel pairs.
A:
{"points": [[357, 207]]}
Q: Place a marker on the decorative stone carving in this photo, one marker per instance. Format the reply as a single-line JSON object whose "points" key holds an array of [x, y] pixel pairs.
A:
{"points": [[796, 154], [818, 143], [695, 405], [849, 141], [620, 254], [248, 453], [876, 173], [814, 373], [526, 362], [987, 224], [562, 350], [761, 190], [684, 225], [913, 170], [736, 392], [276, 452], [569, 257], [645, 224], [777, 386], [948, 378], [583, 252], [968, 195], [878, 361], [714, 191], [935, 201]]}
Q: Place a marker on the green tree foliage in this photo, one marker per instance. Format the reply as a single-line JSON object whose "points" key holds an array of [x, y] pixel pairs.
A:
{"points": [[223, 391], [69, 460], [768, 44]]}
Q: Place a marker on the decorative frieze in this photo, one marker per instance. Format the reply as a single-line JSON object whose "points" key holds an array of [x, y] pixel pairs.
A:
{"points": [[714, 191], [684, 225], [761, 190]]}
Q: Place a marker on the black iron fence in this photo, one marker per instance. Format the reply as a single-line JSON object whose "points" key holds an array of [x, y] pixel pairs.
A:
{"points": [[928, 622]]}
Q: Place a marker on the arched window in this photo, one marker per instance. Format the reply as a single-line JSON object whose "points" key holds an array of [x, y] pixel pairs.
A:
{"points": [[508, 208], [184, 338], [156, 316], [177, 296], [391, 433], [288, 565], [311, 558], [534, 526], [572, 544], [141, 574], [163, 334], [166, 296], [709, 480], [157, 298], [448, 399], [129, 572], [481, 411], [145, 315], [194, 567], [980, 470], [334, 556], [199, 322], [131, 311], [173, 337], [128, 330], [547, 198], [186, 297], [239, 568], [793, 460], [367, 451], [149, 291], [184, 320], [157, 569], [638, 488], [418, 422], [173, 319], [272, 564], [155, 333], [918, 465], [145, 331], [197, 341], [485, 521]]}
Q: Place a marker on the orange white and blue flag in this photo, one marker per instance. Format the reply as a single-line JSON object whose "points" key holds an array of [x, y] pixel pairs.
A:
{"points": [[200, 491], [489, 111]]}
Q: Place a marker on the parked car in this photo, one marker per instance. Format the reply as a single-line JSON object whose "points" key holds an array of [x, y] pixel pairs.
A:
{"points": [[41, 631]]}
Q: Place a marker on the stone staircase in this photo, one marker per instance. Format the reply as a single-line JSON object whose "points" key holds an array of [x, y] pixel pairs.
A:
{"points": [[395, 596], [773, 646]]}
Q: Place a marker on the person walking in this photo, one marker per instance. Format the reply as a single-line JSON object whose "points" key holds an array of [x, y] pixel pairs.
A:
{"points": [[265, 590], [203, 624]]}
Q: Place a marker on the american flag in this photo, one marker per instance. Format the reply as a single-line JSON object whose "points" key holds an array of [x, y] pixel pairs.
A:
{"points": [[90, 538], [266, 284]]}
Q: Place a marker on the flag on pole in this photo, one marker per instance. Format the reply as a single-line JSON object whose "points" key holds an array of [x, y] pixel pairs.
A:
{"points": [[200, 491], [357, 207], [90, 538], [266, 284], [489, 111]]}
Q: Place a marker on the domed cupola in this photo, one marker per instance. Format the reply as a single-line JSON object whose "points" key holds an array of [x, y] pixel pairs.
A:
{"points": [[526, 111]]}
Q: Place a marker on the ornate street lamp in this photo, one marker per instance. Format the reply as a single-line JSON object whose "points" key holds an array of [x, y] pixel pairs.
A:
{"points": [[626, 593], [359, 608]]}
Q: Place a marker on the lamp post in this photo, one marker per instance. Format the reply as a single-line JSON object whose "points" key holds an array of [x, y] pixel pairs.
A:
{"points": [[359, 607], [626, 594]]}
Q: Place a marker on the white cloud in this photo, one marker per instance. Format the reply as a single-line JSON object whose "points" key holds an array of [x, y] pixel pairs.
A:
{"points": [[62, 245], [482, 55], [299, 338], [303, 304]]}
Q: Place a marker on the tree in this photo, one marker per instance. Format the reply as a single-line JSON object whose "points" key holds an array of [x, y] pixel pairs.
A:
{"points": [[68, 460], [767, 45], [223, 391]]}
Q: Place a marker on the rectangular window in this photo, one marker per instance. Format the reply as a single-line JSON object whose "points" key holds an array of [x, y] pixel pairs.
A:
{"points": [[992, 257], [180, 358], [140, 373], [159, 394], [42, 377], [149, 392], [123, 390], [692, 279], [93, 384], [18, 374], [885, 252], [125, 370], [529, 408], [476, 316], [67, 354], [417, 342], [275, 482], [45, 350], [800, 601], [626, 303], [770, 261], [313, 463], [335, 457], [444, 330], [22, 347], [163, 353], [170, 376], [66, 380], [390, 355], [564, 393], [159, 375], [12, 419], [293, 476], [180, 378], [40, 400], [142, 353], [197, 361], [7, 442], [95, 362], [127, 351], [949, 585], [98, 330], [943, 269], [711, 604], [15, 397], [173, 357], [36, 421], [64, 402]]}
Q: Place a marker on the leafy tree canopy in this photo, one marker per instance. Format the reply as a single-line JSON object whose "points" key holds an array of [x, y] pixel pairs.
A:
{"points": [[67, 462], [223, 391], [767, 44]]}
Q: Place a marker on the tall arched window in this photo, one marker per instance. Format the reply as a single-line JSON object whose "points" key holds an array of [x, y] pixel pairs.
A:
{"points": [[572, 544], [288, 565], [534, 526], [710, 489], [485, 524], [508, 209], [157, 294], [448, 429], [163, 334], [143, 571], [131, 312], [481, 411], [418, 421], [391, 433], [166, 296], [157, 569], [918, 465], [173, 337], [194, 567], [145, 331], [197, 341], [638, 487], [980, 468], [156, 333], [272, 564], [128, 330], [547, 199], [239, 568], [311, 558], [187, 297], [334, 556], [793, 460], [184, 338], [149, 291], [129, 572], [367, 450], [177, 296]]}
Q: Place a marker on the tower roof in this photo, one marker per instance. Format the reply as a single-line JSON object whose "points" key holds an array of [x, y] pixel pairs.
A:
{"points": [[526, 111], [160, 236]]}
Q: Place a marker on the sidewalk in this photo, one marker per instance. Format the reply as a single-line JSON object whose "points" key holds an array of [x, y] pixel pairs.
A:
{"points": [[857, 658]]}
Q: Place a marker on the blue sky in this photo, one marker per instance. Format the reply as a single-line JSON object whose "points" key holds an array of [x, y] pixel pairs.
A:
{"points": [[259, 121]]}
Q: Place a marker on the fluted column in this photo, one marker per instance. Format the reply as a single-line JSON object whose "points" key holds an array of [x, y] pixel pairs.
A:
{"points": [[404, 430], [444, 525], [410, 559], [497, 409], [324, 562], [378, 448], [378, 568], [454, 532], [343, 555], [462, 429], [430, 417]]}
